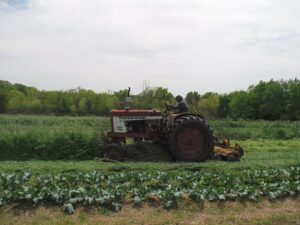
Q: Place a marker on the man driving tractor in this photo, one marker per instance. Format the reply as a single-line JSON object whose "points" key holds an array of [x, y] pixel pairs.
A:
{"points": [[181, 106]]}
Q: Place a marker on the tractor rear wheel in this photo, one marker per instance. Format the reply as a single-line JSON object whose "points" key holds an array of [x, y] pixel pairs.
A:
{"points": [[114, 152], [190, 139]]}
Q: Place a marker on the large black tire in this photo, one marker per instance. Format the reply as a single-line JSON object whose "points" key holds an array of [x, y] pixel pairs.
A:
{"points": [[190, 139]]}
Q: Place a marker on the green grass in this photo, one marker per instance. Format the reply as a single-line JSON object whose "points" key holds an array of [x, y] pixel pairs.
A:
{"points": [[259, 129], [258, 154], [240, 129], [277, 219], [50, 138], [77, 138], [24, 124]]}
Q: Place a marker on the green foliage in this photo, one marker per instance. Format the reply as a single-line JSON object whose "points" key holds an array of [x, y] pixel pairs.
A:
{"points": [[15, 101], [35, 145], [208, 105], [27, 100], [110, 190], [223, 107], [293, 100], [270, 100], [273, 101], [3, 101], [259, 129], [21, 99], [49, 138], [192, 98], [240, 105], [152, 98]]}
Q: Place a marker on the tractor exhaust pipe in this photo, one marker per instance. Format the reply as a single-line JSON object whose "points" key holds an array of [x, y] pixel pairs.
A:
{"points": [[127, 102]]}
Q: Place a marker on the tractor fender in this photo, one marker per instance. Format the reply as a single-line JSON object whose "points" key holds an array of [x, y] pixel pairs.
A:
{"points": [[187, 114]]}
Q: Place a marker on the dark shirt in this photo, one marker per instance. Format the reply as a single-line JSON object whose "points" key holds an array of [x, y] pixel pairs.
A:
{"points": [[181, 107]]}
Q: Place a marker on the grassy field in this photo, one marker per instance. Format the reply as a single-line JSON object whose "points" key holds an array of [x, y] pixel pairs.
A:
{"points": [[66, 146], [77, 138], [240, 129], [258, 154]]}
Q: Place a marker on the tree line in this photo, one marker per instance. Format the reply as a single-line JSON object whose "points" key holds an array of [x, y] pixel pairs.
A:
{"points": [[271, 100]]}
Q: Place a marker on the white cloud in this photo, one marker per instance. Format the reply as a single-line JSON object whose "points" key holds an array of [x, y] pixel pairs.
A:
{"points": [[205, 45]]}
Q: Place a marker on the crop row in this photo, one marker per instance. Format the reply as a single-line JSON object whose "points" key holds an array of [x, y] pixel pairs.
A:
{"points": [[110, 190]]}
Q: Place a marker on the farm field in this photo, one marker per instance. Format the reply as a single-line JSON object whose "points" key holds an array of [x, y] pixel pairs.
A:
{"points": [[259, 154], [60, 155], [76, 138]]}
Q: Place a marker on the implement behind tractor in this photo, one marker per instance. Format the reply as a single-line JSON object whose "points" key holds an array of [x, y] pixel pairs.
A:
{"points": [[187, 136]]}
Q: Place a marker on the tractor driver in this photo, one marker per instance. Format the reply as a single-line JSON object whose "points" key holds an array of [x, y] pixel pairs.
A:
{"points": [[181, 106]]}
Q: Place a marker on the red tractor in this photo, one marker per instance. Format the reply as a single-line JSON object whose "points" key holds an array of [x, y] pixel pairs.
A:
{"points": [[187, 136]]}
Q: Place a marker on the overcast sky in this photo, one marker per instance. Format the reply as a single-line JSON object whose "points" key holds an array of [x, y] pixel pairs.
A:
{"points": [[201, 45]]}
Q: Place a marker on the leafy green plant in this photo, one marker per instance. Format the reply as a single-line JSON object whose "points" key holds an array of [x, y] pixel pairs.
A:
{"points": [[110, 190]]}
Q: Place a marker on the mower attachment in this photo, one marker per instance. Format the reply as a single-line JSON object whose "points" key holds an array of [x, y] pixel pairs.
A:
{"points": [[223, 150]]}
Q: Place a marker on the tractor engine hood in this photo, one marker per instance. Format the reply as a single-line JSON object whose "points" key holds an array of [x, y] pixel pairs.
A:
{"points": [[136, 112]]}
